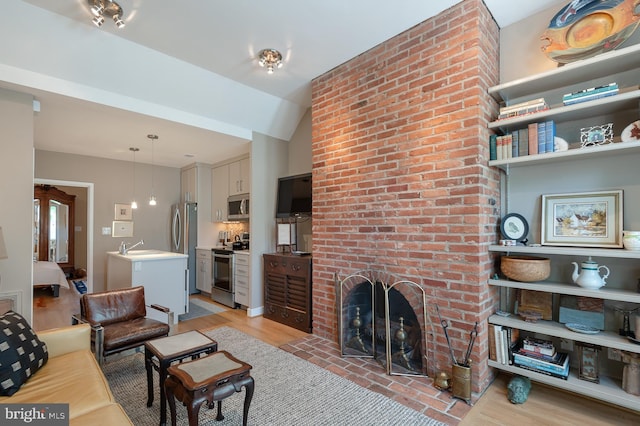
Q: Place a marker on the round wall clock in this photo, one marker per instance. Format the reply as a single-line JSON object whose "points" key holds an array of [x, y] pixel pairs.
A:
{"points": [[514, 227]]}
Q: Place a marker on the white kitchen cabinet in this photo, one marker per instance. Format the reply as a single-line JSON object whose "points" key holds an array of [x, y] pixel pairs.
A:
{"points": [[240, 177], [195, 184], [189, 184], [219, 193], [162, 274], [203, 270], [241, 278], [595, 168]]}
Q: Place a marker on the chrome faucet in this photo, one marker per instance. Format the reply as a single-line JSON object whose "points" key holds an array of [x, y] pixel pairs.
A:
{"points": [[124, 249]]}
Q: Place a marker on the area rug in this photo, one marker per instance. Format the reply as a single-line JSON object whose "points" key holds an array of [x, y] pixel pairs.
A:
{"points": [[200, 308], [288, 391]]}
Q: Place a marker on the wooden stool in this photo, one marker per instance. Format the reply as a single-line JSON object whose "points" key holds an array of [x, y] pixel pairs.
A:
{"points": [[208, 379]]}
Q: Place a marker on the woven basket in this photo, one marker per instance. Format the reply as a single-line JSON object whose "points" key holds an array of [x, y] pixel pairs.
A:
{"points": [[525, 268]]}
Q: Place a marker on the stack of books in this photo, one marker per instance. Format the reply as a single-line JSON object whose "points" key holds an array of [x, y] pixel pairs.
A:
{"points": [[523, 108], [542, 357], [590, 94]]}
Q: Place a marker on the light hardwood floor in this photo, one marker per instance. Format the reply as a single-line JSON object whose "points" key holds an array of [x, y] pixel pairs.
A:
{"points": [[545, 406]]}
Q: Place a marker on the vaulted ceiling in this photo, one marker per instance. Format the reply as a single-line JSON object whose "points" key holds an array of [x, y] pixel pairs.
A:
{"points": [[187, 70]]}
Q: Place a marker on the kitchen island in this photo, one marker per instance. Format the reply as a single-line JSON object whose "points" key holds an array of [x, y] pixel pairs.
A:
{"points": [[163, 274]]}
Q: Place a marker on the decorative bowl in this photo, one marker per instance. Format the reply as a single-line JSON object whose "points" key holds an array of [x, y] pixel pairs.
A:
{"points": [[631, 240], [525, 268]]}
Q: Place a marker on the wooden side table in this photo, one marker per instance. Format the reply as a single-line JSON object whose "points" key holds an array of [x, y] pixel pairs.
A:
{"points": [[208, 379], [166, 350]]}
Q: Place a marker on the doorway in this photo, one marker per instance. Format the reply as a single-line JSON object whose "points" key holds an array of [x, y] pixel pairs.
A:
{"points": [[84, 218]]}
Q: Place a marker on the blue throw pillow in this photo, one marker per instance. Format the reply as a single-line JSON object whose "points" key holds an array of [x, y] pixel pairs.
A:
{"points": [[81, 286], [21, 353]]}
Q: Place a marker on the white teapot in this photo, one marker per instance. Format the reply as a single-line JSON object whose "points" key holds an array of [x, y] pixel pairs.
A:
{"points": [[589, 277]]}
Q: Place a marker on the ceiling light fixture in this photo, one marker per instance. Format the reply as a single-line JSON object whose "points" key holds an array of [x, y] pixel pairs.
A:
{"points": [[152, 199], [270, 58], [100, 8], [134, 205]]}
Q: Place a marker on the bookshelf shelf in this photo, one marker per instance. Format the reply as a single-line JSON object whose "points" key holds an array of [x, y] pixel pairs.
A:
{"points": [[606, 166], [608, 105], [608, 390], [551, 328], [598, 67], [578, 251], [614, 149], [571, 290]]}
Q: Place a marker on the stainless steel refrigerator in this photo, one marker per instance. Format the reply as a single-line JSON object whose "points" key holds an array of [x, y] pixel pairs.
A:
{"points": [[184, 237]]}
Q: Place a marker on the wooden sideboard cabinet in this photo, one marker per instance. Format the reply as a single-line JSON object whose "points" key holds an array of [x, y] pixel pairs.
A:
{"points": [[287, 290]]}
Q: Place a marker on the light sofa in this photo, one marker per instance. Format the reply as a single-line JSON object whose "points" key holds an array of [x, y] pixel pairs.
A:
{"points": [[72, 375]]}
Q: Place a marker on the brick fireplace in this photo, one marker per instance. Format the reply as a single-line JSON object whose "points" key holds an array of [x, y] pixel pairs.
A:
{"points": [[400, 176]]}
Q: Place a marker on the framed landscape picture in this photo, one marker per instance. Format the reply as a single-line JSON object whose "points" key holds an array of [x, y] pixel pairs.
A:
{"points": [[587, 219]]}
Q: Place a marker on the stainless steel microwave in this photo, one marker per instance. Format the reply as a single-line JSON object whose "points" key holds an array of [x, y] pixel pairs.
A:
{"points": [[238, 207]]}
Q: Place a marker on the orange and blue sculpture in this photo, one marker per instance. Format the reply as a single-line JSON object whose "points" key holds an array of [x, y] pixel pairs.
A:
{"points": [[585, 28]]}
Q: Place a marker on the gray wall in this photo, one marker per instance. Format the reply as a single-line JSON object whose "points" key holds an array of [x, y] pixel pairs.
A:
{"points": [[113, 182], [300, 159], [521, 52]]}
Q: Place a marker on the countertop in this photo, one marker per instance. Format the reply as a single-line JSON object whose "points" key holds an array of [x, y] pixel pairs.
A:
{"points": [[222, 248], [140, 255]]}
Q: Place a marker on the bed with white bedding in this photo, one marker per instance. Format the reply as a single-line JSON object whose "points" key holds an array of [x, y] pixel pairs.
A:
{"points": [[49, 274]]}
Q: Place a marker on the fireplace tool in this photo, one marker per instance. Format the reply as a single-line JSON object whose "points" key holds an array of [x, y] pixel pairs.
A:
{"points": [[444, 327], [472, 338]]}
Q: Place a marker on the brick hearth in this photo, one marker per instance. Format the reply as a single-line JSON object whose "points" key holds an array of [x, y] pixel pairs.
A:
{"points": [[416, 393]]}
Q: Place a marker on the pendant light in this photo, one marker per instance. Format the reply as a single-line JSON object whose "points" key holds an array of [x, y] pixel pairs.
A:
{"points": [[152, 198], [134, 205]]}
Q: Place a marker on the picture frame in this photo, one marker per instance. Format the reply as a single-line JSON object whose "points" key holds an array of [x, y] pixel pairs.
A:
{"points": [[586, 219], [286, 234], [121, 229], [588, 362], [123, 212], [596, 135]]}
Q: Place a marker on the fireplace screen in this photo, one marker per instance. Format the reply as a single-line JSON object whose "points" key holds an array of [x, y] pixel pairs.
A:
{"points": [[385, 319]]}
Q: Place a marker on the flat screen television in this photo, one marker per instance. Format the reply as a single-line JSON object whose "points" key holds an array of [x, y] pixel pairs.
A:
{"points": [[294, 196]]}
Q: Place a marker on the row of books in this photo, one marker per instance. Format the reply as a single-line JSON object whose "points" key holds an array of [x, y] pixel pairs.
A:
{"points": [[523, 108], [540, 356], [502, 341], [584, 95], [590, 94], [536, 138]]}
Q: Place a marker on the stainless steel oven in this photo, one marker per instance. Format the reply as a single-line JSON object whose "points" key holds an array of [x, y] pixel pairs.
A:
{"points": [[223, 286]]}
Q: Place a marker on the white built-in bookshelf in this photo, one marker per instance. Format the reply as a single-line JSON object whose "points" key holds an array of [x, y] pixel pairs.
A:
{"points": [[623, 67]]}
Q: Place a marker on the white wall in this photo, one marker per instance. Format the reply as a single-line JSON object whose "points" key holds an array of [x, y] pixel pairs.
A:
{"points": [[269, 161], [16, 208]]}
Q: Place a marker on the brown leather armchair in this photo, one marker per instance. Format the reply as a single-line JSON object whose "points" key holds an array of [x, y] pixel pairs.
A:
{"points": [[118, 320]]}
